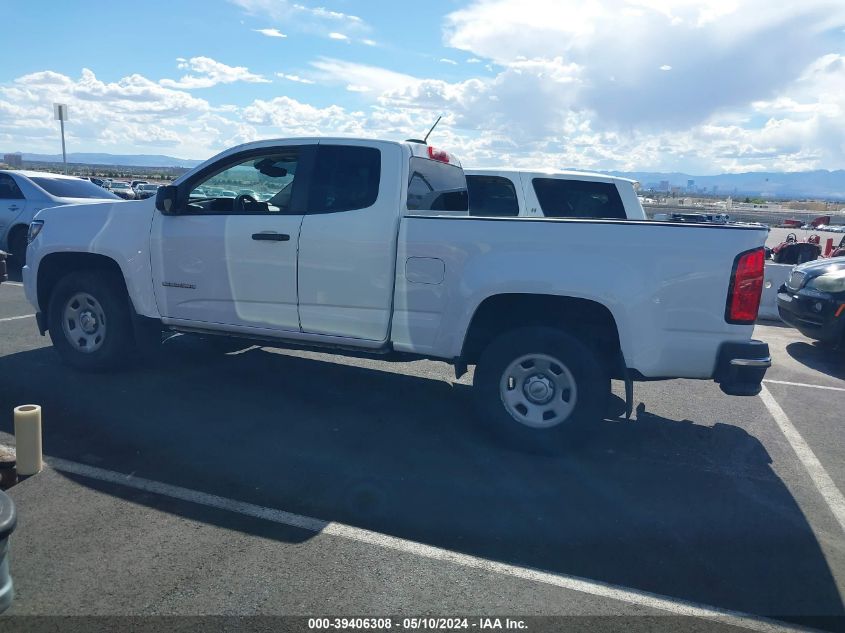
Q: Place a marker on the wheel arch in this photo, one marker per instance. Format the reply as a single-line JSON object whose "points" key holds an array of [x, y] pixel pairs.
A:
{"points": [[589, 319], [55, 266], [15, 230]]}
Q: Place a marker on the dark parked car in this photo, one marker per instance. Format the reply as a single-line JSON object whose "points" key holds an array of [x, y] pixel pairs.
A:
{"points": [[813, 300]]}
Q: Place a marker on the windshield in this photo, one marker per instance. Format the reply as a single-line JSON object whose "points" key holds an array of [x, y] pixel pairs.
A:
{"points": [[71, 188]]}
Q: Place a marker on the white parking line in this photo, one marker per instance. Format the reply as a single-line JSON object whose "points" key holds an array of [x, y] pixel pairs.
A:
{"points": [[802, 384], [24, 316], [832, 496], [11, 283], [573, 583]]}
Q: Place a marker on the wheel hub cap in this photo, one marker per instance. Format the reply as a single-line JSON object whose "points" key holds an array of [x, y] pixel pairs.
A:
{"points": [[88, 322], [84, 322], [539, 389]]}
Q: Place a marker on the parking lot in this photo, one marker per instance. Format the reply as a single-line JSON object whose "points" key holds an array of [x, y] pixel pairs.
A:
{"points": [[265, 481]]}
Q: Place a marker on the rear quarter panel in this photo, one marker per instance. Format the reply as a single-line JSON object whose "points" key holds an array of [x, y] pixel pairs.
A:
{"points": [[665, 284]]}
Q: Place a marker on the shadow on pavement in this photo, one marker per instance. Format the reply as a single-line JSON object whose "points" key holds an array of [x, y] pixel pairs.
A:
{"points": [[815, 356], [659, 505]]}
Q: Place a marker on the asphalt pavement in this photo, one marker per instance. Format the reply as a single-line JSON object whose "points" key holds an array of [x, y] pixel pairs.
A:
{"points": [[177, 487]]}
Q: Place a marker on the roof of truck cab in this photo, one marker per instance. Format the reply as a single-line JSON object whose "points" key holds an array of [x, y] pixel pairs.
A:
{"points": [[311, 139], [547, 173], [415, 148]]}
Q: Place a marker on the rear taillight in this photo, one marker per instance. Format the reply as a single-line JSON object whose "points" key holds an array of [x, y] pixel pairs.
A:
{"points": [[438, 154], [745, 287]]}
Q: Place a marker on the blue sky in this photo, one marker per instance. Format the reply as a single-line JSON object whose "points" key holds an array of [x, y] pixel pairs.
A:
{"points": [[702, 86]]}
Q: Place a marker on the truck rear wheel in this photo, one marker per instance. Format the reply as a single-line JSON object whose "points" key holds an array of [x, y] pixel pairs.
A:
{"points": [[538, 386], [89, 320]]}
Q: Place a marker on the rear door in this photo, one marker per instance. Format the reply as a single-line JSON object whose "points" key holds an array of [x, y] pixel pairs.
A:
{"points": [[347, 245]]}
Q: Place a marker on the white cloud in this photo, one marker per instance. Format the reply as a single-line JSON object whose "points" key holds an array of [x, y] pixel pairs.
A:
{"points": [[570, 84], [334, 35], [131, 112], [446, 60], [373, 78], [296, 78], [665, 67], [210, 73], [369, 42], [270, 32], [318, 20], [747, 48]]}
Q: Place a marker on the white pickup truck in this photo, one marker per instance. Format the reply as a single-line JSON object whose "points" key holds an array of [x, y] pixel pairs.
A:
{"points": [[367, 247], [552, 194]]}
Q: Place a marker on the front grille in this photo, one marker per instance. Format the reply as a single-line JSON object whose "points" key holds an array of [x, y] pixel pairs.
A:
{"points": [[796, 280]]}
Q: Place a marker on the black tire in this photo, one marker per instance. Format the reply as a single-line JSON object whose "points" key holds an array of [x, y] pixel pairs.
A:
{"points": [[117, 344], [17, 246], [591, 388]]}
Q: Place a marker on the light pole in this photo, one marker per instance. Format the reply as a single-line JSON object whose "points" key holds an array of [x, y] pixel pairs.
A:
{"points": [[60, 112]]}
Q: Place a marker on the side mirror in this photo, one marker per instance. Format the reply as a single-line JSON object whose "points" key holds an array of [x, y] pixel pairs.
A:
{"points": [[167, 199]]}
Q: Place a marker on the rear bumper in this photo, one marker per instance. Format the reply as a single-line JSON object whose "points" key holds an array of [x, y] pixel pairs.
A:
{"points": [[740, 367]]}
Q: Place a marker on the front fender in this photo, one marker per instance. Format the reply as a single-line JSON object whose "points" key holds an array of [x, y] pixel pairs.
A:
{"points": [[117, 230]]}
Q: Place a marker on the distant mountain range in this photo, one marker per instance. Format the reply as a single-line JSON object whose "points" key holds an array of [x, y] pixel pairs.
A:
{"points": [[801, 184], [134, 160]]}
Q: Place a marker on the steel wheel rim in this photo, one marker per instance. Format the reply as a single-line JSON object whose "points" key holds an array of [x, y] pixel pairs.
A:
{"points": [[538, 391], [84, 323]]}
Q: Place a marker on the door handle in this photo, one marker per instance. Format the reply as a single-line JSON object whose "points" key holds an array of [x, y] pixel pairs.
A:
{"points": [[271, 237], [14, 207]]}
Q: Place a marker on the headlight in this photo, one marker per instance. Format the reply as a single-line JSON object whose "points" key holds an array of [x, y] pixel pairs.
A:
{"points": [[830, 282], [34, 229]]}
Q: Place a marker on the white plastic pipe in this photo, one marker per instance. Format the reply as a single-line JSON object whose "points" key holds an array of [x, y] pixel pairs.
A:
{"points": [[28, 439]]}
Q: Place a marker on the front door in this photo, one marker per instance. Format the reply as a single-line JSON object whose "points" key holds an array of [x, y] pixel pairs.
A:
{"points": [[230, 256]]}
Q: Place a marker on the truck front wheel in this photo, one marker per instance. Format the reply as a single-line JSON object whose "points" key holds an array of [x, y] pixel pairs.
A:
{"points": [[538, 385], [89, 320]]}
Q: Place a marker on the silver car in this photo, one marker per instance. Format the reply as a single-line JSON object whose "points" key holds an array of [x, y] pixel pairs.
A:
{"points": [[25, 193]]}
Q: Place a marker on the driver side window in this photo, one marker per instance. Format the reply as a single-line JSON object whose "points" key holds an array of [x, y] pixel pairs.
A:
{"points": [[261, 184]]}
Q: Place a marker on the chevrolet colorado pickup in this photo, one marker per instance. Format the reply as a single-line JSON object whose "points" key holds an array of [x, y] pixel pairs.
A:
{"points": [[367, 247]]}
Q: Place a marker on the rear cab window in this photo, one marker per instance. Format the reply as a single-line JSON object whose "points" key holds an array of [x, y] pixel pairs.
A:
{"points": [[436, 186], [492, 196], [563, 198]]}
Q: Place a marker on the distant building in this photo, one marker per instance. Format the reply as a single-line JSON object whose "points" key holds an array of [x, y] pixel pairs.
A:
{"points": [[664, 185], [690, 186], [15, 161]]}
